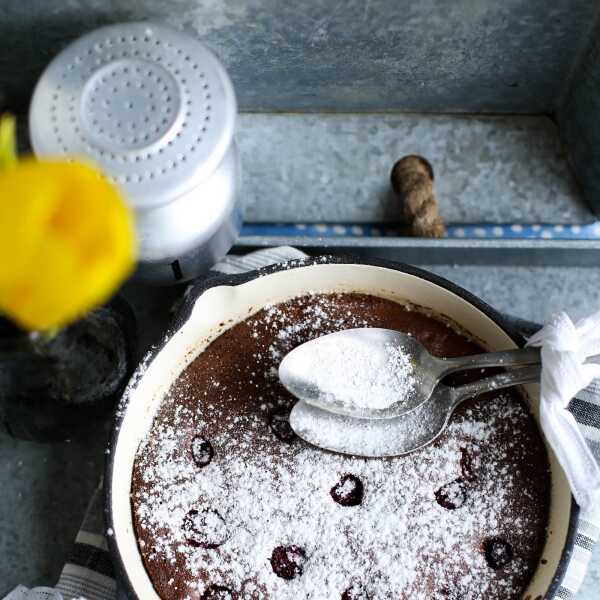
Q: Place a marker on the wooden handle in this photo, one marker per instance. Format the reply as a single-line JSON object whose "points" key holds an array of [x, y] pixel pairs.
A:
{"points": [[412, 181]]}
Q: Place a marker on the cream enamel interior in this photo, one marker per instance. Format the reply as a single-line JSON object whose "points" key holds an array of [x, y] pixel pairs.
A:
{"points": [[230, 305]]}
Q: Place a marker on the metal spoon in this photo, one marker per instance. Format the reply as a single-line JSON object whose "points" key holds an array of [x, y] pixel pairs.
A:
{"points": [[296, 371], [397, 435]]}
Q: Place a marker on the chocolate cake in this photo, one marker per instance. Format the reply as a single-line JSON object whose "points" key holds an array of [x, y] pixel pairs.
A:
{"points": [[229, 504]]}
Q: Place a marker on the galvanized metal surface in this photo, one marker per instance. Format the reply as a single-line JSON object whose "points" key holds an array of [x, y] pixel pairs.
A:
{"points": [[424, 55], [335, 167], [578, 117], [380, 55]]}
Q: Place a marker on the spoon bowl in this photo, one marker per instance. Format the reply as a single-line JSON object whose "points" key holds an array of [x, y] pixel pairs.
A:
{"points": [[399, 435]]}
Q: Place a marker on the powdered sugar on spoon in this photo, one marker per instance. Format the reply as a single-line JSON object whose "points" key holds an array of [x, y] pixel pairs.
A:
{"points": [[374, 373]]}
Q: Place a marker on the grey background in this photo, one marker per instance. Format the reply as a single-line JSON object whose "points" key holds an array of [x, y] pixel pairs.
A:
{"points": [[427, 55], [495, 169], [465, 56], [458, 56], [578, 118]]}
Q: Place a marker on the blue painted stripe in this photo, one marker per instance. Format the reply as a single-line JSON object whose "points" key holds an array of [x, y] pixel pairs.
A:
{"points": [[588, 231]]}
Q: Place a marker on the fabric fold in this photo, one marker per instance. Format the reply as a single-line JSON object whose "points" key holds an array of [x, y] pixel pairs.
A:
{"points": [[568, 351]]}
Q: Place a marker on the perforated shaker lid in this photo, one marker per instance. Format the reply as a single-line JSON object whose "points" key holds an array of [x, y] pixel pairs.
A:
{"points": [[152, 106]]}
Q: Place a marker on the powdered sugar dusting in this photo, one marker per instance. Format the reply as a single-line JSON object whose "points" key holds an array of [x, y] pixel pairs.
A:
{"points": [[220, 524], [350, 372], [287, 501]]}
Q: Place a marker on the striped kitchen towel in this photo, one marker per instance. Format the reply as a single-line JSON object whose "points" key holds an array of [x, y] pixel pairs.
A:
{"points": [[88, 572]]}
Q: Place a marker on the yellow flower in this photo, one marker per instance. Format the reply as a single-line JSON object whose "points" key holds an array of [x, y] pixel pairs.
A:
{"points": [[66, 242]]}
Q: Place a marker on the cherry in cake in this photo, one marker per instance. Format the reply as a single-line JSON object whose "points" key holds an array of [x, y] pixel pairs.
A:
{"points": [[202, 451], [287, 561], [348, 491], [452, 495]]}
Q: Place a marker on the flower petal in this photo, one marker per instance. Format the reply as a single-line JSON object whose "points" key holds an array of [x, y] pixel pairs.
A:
{"points": [[66, 242]]}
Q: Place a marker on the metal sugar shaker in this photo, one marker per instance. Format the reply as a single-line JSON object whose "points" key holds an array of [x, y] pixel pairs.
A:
{"points": [[156, 110]]}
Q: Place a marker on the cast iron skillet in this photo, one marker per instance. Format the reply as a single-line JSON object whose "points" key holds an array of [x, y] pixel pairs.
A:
{"points": [[196, 290]]}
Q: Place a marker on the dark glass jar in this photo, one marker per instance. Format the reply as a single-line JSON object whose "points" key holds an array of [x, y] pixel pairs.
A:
{"points": [[53, 389]]}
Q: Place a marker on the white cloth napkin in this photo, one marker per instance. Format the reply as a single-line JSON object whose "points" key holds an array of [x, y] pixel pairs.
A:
{"points": [[566, 369]]}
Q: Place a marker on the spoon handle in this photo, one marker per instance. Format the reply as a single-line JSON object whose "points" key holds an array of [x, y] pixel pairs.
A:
{"points": [[503, 380], [504, 358]]}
